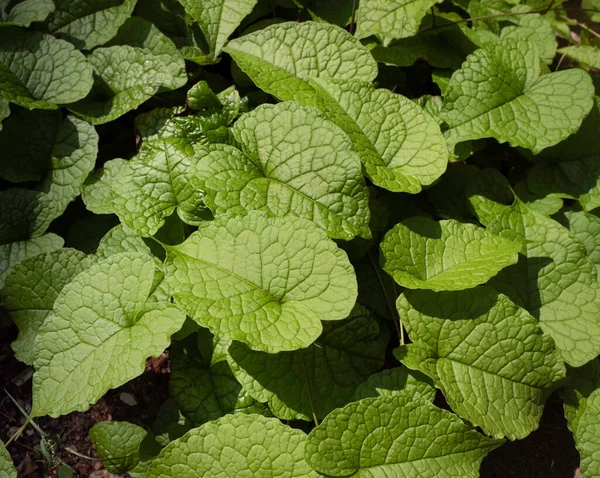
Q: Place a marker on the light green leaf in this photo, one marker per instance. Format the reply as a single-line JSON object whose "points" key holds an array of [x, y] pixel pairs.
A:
{"points": [[151, 186], [267, 282], [491, 360], [499, 92], [390, 19], [31, 289], [89, 24], [400, 146], [396, 381], [290, 152], [96, 189], [587, 55], [451, 255], [586, 228], [118, 444], [546, 205], [282, 57], [236, 446], [40, 71], [396, 436], [26, 12], [583, 381], [587, 437], [311, 382], [201, 97], [218, 19], [534, 28], [100, 317], [7, 469], [125, 77], [15, 252]]}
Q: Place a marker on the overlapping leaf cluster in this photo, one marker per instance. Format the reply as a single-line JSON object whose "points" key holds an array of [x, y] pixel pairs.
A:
{"points": [[321, 245]]}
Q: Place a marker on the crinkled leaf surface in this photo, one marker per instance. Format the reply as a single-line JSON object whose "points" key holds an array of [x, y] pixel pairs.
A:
{"points": [[396, 436], [89, 24], [96, 189], [218, 19], [236, 446], [535, 29], [420, 253], [7, 468], [40, 71], [587, 55], [314, 380], [500, 93], [26, 12], [396, 381], [118, 444], [390, 19], [489, 356], [587, 436], [282, 57], [400, 146], [290, 153], [31, 289], [586, 228], [267, 282], [100, 317], [151, 186]]}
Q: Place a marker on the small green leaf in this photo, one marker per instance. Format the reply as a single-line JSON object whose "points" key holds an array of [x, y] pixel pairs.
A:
{"points": [[289, 151], [491, 360], [118, 444], [31, 289], [396, 381], [586, 228], [313, 381], [100, 317], [7, 469], [396, 436], [267, 282], [310, 49], [26, 12], [587, 55], [40, 71], [586, 436], [96, 190], [235, 446], [452, 255]]}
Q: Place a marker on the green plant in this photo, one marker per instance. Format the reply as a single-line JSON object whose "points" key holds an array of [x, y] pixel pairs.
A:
{"points": [[285, 216]]}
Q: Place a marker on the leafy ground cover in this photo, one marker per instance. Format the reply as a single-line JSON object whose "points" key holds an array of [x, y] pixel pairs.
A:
{"points": [[362, 237]]}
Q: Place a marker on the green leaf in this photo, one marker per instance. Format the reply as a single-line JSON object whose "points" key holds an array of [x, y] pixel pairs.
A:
{"points": [[452, 255], [89, 24], [26, 12], [390, 19], [40, 71], [151, 186], [126, 76], [583, 381], [400, 146], [234, 446], [118, 444], [534, 28], [31, 288], [267, 282], [4, 111], [434, 49], [546, 205], [290, 152], [586, 228], [96, 189], [587, 55], [170, 424], [85, 234], [499, 92], [218, 19], [200, 97], [312, 49], [13, 253], [311, 382], [491, 360], [396, 381], [586, 436], [22, 215], [376, 289], [7, 468], [396, 436], [99, 317]]}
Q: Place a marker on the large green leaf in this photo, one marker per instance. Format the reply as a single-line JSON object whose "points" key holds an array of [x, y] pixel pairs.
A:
{"points": [[31, 289], [40, 71], [89, 24], [267, 282], [400, 146], [500, 92], [218, 19], [99, 317], [587, 55], [118, 444], [491, 359], [396, 436], [290, 153], [150, 187], [26, 12], [451, 255], [7, 469], [236, 446], [390, 19], [282, 57], [396, 381], [311, 382]]}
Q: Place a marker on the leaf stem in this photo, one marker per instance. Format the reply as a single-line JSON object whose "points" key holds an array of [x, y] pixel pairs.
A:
{"points": [[310, 400], [353, 20]]}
